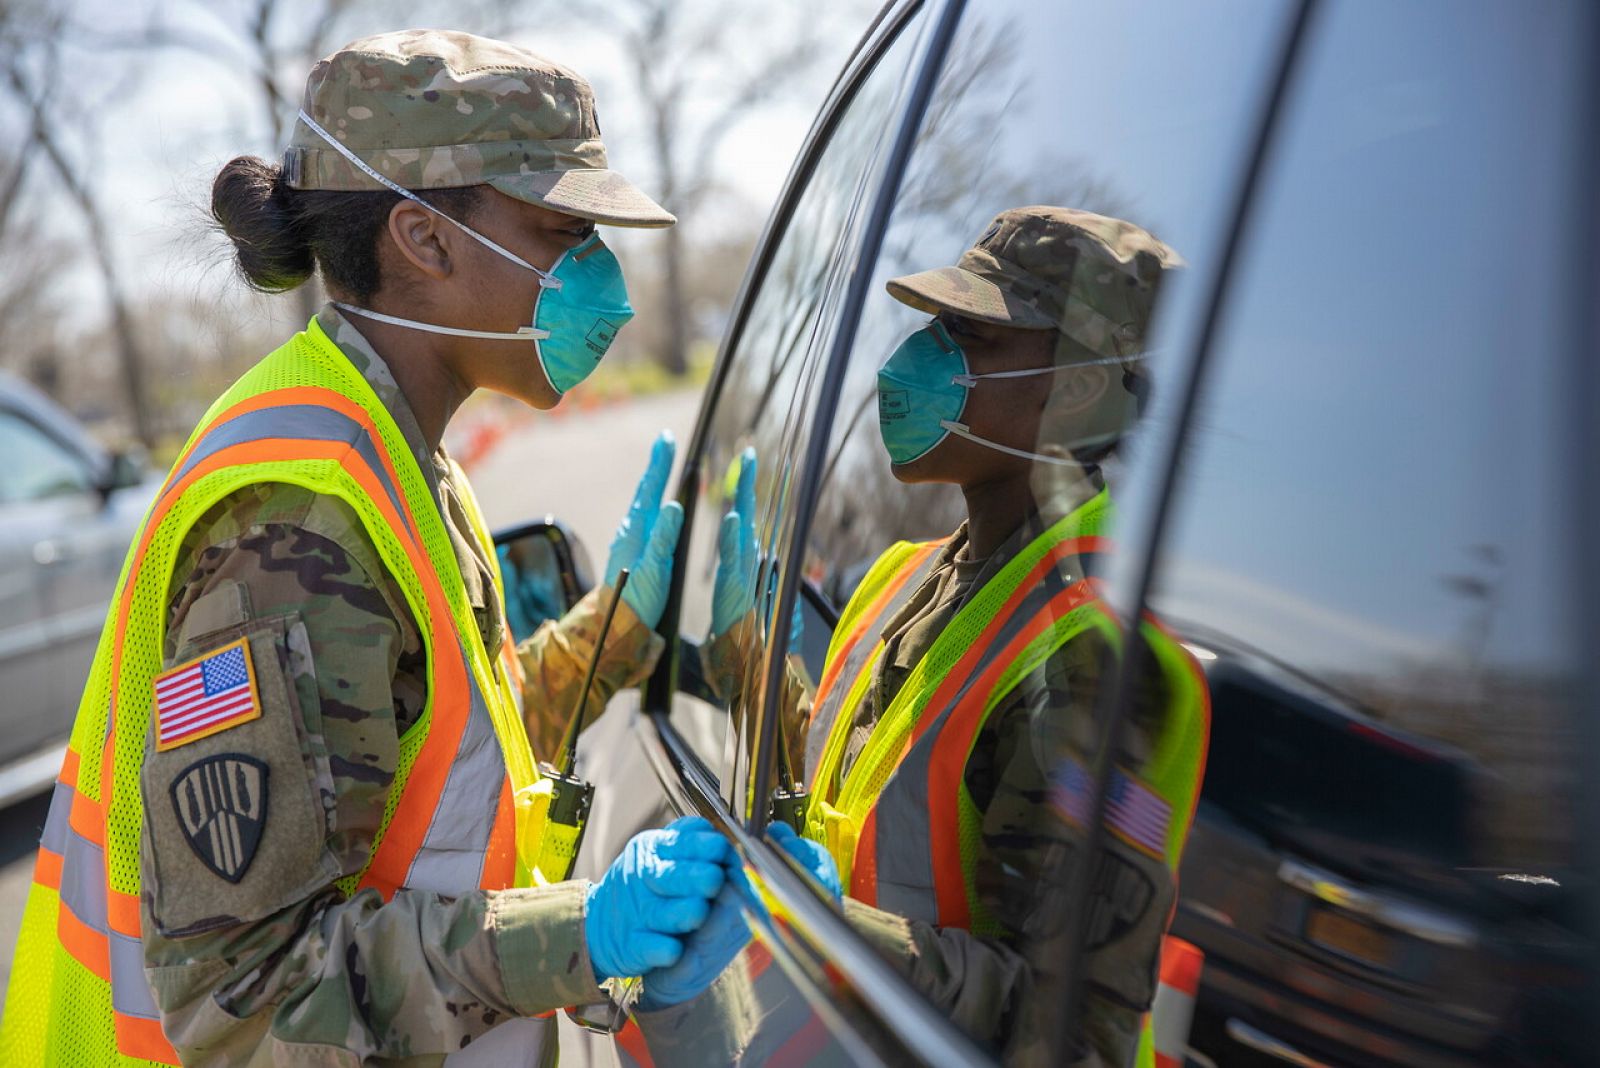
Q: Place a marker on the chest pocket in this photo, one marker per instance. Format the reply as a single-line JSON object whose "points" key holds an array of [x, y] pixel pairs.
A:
{"points": [[237, 813]]}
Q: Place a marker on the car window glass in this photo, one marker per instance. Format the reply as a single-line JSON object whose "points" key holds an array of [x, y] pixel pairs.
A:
{"points": [[1366, 547], [765, 406], [944, 742], [37, 466]]}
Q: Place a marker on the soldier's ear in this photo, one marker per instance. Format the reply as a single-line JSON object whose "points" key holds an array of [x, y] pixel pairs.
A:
{"points": [[420, 237]]}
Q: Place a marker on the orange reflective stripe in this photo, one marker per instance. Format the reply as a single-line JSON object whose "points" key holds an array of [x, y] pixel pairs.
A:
{"points": [[88, 947], [954, 744], [308, 395], [122, 912], [805, 1045], [140, 1037], [86, 820], [864, 868], [500, 862], [631, 1039], [758, 958], [69, 768], [957, 677], [47, 869], [830, 675]]}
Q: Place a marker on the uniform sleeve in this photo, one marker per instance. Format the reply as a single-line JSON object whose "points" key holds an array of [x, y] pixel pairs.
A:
{"points": [[555, 658], [981, 984], [253, 952], [732, 661]]}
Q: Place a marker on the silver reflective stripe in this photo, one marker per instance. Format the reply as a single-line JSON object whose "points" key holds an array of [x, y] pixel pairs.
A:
{"points": [[450, 859], [828, 712], [56, 825], [83, 881], [905, 883], [83, 892], [130, 990], [306, 422]]}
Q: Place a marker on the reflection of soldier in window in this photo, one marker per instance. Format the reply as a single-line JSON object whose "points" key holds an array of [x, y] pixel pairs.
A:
{"points": [[948, 742]]}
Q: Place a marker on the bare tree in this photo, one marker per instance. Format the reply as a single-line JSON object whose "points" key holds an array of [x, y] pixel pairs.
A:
{"points": [[694, 71], [31, 77], [271, 45]]}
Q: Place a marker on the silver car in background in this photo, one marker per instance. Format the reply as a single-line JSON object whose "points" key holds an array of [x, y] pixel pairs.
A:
{"points": [[68, 509]]}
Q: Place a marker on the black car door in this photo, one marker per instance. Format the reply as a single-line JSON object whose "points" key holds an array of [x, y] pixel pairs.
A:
{"points": [[1161, 143], [1372, 543]]}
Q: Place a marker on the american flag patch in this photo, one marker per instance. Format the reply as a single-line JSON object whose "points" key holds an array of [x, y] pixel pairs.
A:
{"points": [[1134, 812], [207, 695]]}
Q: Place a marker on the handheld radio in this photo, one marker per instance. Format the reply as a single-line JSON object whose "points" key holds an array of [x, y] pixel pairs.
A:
{"points": [[564, 797]]}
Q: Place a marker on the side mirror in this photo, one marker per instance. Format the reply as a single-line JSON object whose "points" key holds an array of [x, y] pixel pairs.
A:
{"points": [[546, 571], [125, 468]]}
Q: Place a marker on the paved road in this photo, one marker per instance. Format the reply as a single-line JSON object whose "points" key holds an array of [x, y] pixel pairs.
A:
{"points": [[581, 466], [20, 826]]}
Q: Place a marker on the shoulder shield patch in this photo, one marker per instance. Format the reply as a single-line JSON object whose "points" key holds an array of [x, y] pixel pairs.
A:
{"points": [[221, 803]]}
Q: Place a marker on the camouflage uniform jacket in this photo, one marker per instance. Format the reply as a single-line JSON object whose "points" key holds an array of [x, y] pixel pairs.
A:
{"points": [[990, 986], [281, 966]]}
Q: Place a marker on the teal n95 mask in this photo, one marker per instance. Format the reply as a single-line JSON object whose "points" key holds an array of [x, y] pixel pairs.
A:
{"points": [[581, 304], [922, 393]]}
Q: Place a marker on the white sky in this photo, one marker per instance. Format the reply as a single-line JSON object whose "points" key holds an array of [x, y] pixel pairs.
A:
{"points": [[163, 140]]}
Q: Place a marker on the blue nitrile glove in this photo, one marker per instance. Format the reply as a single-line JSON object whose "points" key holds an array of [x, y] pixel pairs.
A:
{"points": [[813, 857], [657, 890], [705, 954], [532, 596], [646, 538], [733, 590], [739, 560]]}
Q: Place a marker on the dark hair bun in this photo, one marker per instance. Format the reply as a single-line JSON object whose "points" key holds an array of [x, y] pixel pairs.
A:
{"points": [[255, 207]]}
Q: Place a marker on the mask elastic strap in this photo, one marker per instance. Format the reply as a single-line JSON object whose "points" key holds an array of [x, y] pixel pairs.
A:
{"points": [[523, 333], [545, 277], [970, 380], [960, 430]]}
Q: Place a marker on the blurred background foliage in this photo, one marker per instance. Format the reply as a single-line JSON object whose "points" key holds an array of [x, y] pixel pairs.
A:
{"points": [[121, 302]]}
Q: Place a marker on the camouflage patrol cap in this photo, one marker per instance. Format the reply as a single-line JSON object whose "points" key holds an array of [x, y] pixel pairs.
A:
{"points": [[431, 109], [1092, 277]]}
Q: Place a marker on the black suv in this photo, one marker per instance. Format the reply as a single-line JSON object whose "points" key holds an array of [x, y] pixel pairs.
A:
{"points": [[1361, 493]]}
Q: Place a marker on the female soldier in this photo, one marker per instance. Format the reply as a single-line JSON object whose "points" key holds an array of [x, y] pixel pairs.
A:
{"points": [[947, 743], [294, 774]]}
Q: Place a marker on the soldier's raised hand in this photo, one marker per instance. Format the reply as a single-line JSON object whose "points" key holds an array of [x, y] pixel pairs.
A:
{"points": [[733, 589], [647, 538]]}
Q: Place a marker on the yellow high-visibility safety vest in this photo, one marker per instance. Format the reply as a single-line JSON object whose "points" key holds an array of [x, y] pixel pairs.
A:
{"points": [[306, 417], [900, 824]]}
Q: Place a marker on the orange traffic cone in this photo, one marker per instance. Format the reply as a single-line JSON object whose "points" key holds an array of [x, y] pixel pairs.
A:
{"points": [[1173, 1010]]}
